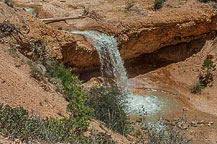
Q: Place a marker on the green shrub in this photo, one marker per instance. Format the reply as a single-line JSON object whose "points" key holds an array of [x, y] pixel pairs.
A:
{"points": [[69, 85], [158, 4], [197, 88], [109, 108], [208, 63], [17, 123], [77, 98], [205, 77]]}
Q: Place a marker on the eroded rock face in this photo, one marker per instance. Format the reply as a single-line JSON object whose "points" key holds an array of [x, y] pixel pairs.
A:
{"points": [[138, 28], [56, 42]]}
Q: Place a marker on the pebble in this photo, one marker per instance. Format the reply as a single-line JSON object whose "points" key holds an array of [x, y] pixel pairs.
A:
{"points": [[185, 109], [29, 54], [191, 132], [210, 123], [183, 125], [201, 122], [194, 124]]}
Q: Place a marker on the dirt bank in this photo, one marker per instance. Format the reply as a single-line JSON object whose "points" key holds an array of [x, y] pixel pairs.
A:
{"points": [[137, 26]]}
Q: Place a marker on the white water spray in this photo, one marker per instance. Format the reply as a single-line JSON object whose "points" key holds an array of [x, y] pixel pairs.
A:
{"points": [[112, 66]]}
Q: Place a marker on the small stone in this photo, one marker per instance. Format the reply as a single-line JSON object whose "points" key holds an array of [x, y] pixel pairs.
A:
{"points": [[210, 123], [182, 125], [53, 80], [29, 54], [194, 124], [201, 122], [173, 123], [185, 109], [191, 132], [17, 141], [17, 65]]}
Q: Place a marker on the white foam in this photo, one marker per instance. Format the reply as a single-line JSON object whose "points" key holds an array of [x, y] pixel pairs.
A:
{"points": [[138, 104]]}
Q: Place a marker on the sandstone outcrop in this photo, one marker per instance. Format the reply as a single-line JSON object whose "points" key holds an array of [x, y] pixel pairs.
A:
{"points": [[136, 25]]}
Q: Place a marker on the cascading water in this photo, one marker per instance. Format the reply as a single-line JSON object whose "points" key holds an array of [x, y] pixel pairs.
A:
{"points": [[112, 66]]}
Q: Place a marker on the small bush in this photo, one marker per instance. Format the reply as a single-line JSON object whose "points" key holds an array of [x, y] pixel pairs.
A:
{"points": [[17, 123], [109, 108], [77, 98], [208, 63], [197, 88], [160, 133], [68, 84], [158, 4], [205, 77]]}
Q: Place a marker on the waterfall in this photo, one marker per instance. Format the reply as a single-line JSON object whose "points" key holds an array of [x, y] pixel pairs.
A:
{"points": [[112, 65]]}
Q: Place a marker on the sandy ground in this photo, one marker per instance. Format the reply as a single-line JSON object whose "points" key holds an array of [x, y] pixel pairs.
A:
{"points": [[178, 78], [18, 88]]}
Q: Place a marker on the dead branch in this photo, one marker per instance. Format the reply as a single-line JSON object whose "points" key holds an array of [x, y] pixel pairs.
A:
{"points": [[50, 20], [8, 29]]}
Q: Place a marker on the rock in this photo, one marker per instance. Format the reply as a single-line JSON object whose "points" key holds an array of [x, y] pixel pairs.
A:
{"points": [[136, 35], [201, 122], [210, 123], [183, 125], [173, 123], [191, 132], [29, 54], [53, 80], [185, 109], [18, 64], [17, 141], [193, 124]]}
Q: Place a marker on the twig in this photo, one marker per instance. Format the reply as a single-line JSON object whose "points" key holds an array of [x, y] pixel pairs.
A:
{"points": [[50, 20]]}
